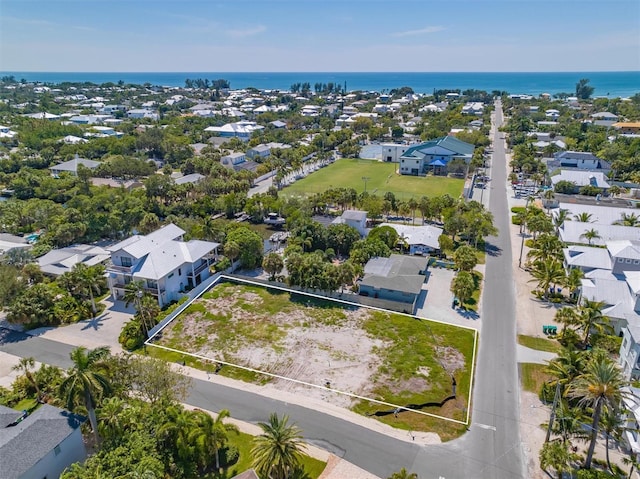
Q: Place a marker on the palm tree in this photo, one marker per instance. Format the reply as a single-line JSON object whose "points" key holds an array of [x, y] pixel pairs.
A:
{"points": [[86, 381], [574, 280], [548, 272], [628, 219], [89, 279], [600, 386], [133, 293], [557, 455], [176, 432], [276, 452], [583, 217], [403, 474], [211, 434], [231, 251], [561, 216], [566, 316], [567, 366], [25, 365], [591, 317], [590, 235], [613, 424]]}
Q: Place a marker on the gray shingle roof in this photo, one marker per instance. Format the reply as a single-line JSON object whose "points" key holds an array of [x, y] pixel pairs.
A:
{"points": [[396, 273], [23, 445]]}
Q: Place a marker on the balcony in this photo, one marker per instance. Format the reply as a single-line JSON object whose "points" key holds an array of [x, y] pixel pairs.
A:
{"points": [[112, 268], [198, 270]]}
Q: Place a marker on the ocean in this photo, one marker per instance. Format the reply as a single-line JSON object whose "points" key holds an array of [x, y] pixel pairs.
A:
{"points": [[612, 84]]}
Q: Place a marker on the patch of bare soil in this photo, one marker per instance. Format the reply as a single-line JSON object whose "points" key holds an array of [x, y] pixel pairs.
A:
{"points": [[450, 358]]}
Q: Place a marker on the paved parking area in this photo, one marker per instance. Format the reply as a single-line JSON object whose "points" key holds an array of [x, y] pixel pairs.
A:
{"points": [[92, 333], [436, 300]]}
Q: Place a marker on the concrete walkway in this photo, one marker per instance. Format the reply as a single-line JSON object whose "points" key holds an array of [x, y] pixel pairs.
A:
{"points": [[528, 355]]}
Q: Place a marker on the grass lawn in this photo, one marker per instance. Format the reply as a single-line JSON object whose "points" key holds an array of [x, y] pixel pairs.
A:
{"points": [[472, 303], [541, 344], [313, 467], [533, 376], [412, 363], [382, 177]]}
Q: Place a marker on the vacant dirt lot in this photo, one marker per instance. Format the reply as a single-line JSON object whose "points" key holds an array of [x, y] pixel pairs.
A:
{"points": [[320, 343]]}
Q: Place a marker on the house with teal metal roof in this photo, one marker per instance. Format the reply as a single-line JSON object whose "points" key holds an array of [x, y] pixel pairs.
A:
{"points": [[434, 156]]}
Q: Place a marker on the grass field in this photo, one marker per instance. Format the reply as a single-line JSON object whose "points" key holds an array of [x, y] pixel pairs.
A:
{"points": [[533, 376], [381, 177], [541, 344]]}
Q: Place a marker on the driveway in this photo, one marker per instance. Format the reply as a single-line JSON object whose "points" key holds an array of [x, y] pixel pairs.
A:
{"points": [[436, 299], [103, 330]]}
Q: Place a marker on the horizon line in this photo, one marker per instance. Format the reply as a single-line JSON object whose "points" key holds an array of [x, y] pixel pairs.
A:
{"points": [[319, 71]]}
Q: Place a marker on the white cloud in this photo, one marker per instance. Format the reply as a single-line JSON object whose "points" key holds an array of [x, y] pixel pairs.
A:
{"points": [[421, 31], [247, 32]]}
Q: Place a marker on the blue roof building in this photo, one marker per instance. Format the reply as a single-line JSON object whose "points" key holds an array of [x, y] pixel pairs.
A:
{"points": [[434, 156]]}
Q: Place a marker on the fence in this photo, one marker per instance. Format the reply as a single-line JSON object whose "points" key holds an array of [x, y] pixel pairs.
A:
{"points": [[346, 297]]}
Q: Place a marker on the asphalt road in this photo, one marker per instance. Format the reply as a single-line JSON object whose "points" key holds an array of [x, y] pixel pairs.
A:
{"points": [[492, 448]]}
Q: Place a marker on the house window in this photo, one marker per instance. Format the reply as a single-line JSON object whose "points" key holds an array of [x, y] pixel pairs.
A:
{"points": [[152, 284], [624, 343], [179, 272], [628, 261], [56, 450], [125, 261], [620, 260], [170, 275], [636, 261]]}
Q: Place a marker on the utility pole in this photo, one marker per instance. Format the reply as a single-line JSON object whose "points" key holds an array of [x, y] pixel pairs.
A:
{"points": [[365, 178], [552, 419], [524, 229]]}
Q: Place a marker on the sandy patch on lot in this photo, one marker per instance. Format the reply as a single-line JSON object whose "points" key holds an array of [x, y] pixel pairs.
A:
{"points": [[323, 347]]}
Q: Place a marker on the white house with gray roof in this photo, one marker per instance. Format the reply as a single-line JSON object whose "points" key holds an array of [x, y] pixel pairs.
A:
{"points": [[396, 278], [59, 261], [164, 263], [355, 218], [582, 178], [420, 239], [39, 445]]}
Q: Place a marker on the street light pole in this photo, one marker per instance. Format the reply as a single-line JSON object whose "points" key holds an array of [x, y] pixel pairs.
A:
{"points": [[365, 178], [524, 223]]}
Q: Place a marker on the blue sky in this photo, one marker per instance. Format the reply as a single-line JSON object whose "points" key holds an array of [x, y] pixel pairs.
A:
{"points": [[319, 35]]}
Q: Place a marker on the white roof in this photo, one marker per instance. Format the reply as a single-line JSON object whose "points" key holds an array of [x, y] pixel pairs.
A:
{"points": [[586, 257], [582, 178], [59, 261], [571, 231], [599, 214], [426, 235], [601, 285], [625, 248], [138, 245], [171, 255]]}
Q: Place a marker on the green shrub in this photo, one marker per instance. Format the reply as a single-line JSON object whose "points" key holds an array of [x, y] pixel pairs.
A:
{"points": [[547, 392], [223, 264], [229, 455], [530, 243], [518, 209], [131, 337], [516, 220]]}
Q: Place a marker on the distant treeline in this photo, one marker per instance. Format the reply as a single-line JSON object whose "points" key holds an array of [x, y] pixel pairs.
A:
{"points": [[205, 83]]}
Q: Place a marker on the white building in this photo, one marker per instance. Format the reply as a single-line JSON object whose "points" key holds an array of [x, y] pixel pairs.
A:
{"points": [[165, 264], [39, 445], [241, 129], [354, 218], [421, 240], [391, 152], [71, 166]]}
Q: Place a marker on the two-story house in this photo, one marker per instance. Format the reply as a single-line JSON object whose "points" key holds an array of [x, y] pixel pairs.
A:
{"points": [[164, 263], [354, 218], [434, 156]]}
